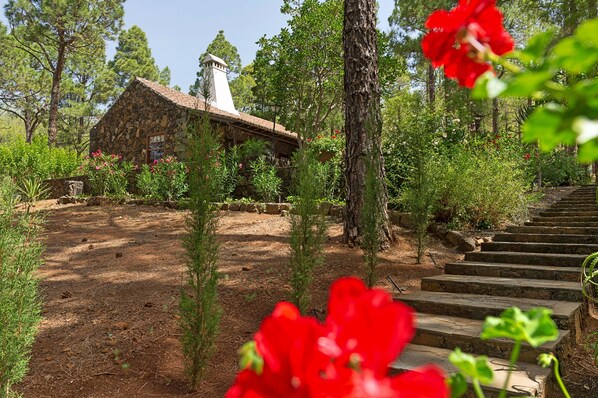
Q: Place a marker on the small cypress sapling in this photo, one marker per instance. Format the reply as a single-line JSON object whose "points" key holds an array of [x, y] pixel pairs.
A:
{"points": [[370, 215], [420, 193], [199, 309], [20, 305], [308, 230]]}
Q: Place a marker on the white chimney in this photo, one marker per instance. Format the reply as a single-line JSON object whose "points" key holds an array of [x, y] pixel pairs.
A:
{"points": [[215, 70]]}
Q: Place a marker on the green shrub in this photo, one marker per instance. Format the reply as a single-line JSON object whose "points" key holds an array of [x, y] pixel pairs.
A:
{"points": [[329, 171], [107, 174], [20, 306], [166, 179], [199, 309], [265, 181], [560, 168], [420, 191], [252, 149], [20, 159], [228, 169], [480, 187], [308, 230]]}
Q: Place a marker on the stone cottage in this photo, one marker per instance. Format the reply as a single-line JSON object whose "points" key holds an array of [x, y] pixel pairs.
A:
{"points": [[148, 121]]}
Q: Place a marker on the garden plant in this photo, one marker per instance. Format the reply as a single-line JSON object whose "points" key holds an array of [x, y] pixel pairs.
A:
{"points": [[20, 304], [165, 179], [107, 174]]}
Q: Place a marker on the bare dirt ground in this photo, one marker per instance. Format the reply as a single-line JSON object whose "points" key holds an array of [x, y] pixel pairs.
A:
{"points": [[110, 292]]}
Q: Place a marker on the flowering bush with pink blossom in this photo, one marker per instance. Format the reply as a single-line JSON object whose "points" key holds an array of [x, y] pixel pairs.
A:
{"points": [[107, 174], [165, 179]]}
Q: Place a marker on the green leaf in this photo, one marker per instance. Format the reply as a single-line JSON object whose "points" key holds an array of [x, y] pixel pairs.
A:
{"points": [[588, 152], [544, 126], [527, 83], [575, 57], [475, 368], [536, 46], [488, 86], [250, 358], [586, 32], [458, 385], [535, 326]]}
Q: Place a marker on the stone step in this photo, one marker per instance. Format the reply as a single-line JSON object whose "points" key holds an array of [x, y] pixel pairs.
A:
{"points": [[503, 270], [567, 219], [539, 247], [569, 213], [512, 287], [551, 230], [450, 332], [526, 380], [545, 238], [589, 201], [562, 224], [573, 207], [552, 259], [567, 315]]}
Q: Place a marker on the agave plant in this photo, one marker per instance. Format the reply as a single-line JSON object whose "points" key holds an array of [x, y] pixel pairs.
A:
{"points": [[32, 189]]}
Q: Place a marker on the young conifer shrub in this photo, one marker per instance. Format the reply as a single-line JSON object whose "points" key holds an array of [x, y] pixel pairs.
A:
{"points": [[199, 309], [308, 230], [371, 215], [20, 306], [420, 193]]}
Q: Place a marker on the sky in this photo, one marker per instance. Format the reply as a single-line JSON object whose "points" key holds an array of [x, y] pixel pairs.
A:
{"points": [[178, 31]]}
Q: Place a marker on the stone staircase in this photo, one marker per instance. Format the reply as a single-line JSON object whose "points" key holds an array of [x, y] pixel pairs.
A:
{"points": [[534, 265]]}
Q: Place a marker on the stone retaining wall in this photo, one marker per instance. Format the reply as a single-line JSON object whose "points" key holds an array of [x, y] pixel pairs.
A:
{"points": [[58, 186]]}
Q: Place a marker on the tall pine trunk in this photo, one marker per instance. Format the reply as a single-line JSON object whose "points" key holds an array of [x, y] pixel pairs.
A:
{"points": [[55, 95], [431, 83], [362, 113]]}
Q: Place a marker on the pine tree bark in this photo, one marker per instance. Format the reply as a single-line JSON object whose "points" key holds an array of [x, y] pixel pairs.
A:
{"points": [[495, 115], [431, 82], [55, 94], [363, 121]]}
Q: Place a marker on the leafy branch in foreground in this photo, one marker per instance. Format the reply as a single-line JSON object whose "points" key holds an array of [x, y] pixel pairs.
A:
{"points": [[534, 327]]}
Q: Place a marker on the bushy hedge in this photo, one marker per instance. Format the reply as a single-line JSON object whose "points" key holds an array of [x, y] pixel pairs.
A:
{"points": [[19, 159], [480, 187]]}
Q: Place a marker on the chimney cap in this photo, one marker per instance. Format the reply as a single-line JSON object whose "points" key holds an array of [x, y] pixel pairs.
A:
{"points": [[213, 58]]}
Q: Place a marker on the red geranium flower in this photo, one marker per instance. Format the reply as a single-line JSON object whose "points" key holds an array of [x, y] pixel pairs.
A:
{"points": [[347, 357], [288, 344], [458, 39]]}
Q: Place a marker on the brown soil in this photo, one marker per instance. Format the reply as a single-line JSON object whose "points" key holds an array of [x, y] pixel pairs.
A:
{"points": [[110, 293]]}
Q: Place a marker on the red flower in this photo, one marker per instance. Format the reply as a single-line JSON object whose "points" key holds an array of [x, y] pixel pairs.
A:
{"points": [[333, 137], [459, 38], [527, 156], [360, 323], [347, 357], [288, 344]]}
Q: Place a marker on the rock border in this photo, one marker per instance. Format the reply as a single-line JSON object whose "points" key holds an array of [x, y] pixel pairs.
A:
{"points": [[283, 209]]}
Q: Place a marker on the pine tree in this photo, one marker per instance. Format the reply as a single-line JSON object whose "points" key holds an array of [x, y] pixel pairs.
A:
{"points": [[133, 58], [51, 31]]}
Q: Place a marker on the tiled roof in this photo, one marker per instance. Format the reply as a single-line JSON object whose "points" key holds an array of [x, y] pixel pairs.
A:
{"points": [[191, 102]]}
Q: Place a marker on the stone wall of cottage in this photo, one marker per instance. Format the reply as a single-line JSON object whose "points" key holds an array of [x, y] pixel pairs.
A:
{"points": [[140, 113], [137, 114]]}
